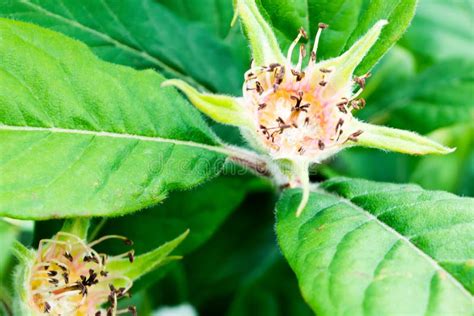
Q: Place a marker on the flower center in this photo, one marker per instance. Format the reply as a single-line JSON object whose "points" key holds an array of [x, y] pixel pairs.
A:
{"points": [[70, 278], [298, 112]]}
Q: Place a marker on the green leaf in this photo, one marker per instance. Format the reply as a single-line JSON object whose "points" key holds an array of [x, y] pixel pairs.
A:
{"points": [[147, 262], [180, 39], [202, 210], [453, 172], [81, 137], [367, 248], [272, 291], [348, 21], [444, 28], [436, 98]]}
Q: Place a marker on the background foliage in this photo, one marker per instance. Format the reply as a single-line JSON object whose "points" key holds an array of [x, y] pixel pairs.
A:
{"points": [[233, 265]]}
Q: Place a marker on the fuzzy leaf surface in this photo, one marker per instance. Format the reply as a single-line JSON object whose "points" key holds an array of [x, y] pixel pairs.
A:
{"points": [[363, 248], [82, 137]]}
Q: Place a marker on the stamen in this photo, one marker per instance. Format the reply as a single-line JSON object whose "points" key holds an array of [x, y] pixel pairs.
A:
{"points": [[280, 74], [47, 307], [321, 145], [339, 124], [353, 136], [301, 56], [358, 104], [321, 27], [68, 256], [301, 33]]}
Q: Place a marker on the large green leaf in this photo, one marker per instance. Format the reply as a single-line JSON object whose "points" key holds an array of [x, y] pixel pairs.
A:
{"points": [[192, 42], [438, 97], [82, 137], [367, 248], [201, 210], [440, 30], [348, 21]]}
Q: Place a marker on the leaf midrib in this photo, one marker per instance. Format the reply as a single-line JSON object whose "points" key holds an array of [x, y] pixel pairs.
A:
{"points": [[218, 149], [143, 54], [402, 238]]}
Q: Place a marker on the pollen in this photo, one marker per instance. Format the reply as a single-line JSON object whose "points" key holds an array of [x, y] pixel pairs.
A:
{"points": [[298, 111], [69, 277]]}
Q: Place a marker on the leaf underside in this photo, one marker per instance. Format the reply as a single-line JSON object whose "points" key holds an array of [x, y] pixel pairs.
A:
{"points": [[81, 137], [366, 248]]}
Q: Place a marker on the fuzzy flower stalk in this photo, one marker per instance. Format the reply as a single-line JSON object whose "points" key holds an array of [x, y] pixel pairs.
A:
{"points": [[301, 114], [67, 276]]}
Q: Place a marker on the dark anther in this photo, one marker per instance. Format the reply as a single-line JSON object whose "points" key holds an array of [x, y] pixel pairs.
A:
{"points": [[279, 75], [86, 258], [306, 121], [302, 50], [321, 145], [52, 273], [68, 256], [358, 104], [354, 136], [360, 81], [110, 311], [47, 307], [132, 310], [62, 267], [298, 100], [104, 273], [325, 70], [280, 121], [98, 313], [66, 277], [313, 56], [323, 26], [341, 108], [298, 74], [53, 281], [303, 33], [323, 83], [304, 107], [259, 87], [344, 101], [339, 124], [130, 257], [261, 106], [46, 267], [339, 135], [273, 66], [301, 150]]}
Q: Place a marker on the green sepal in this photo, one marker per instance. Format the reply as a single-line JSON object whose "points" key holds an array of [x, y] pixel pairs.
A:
{"points": [[147, 262], [346, 64], [393, 139], [26, 258], [262, 39], [221, 108]]}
